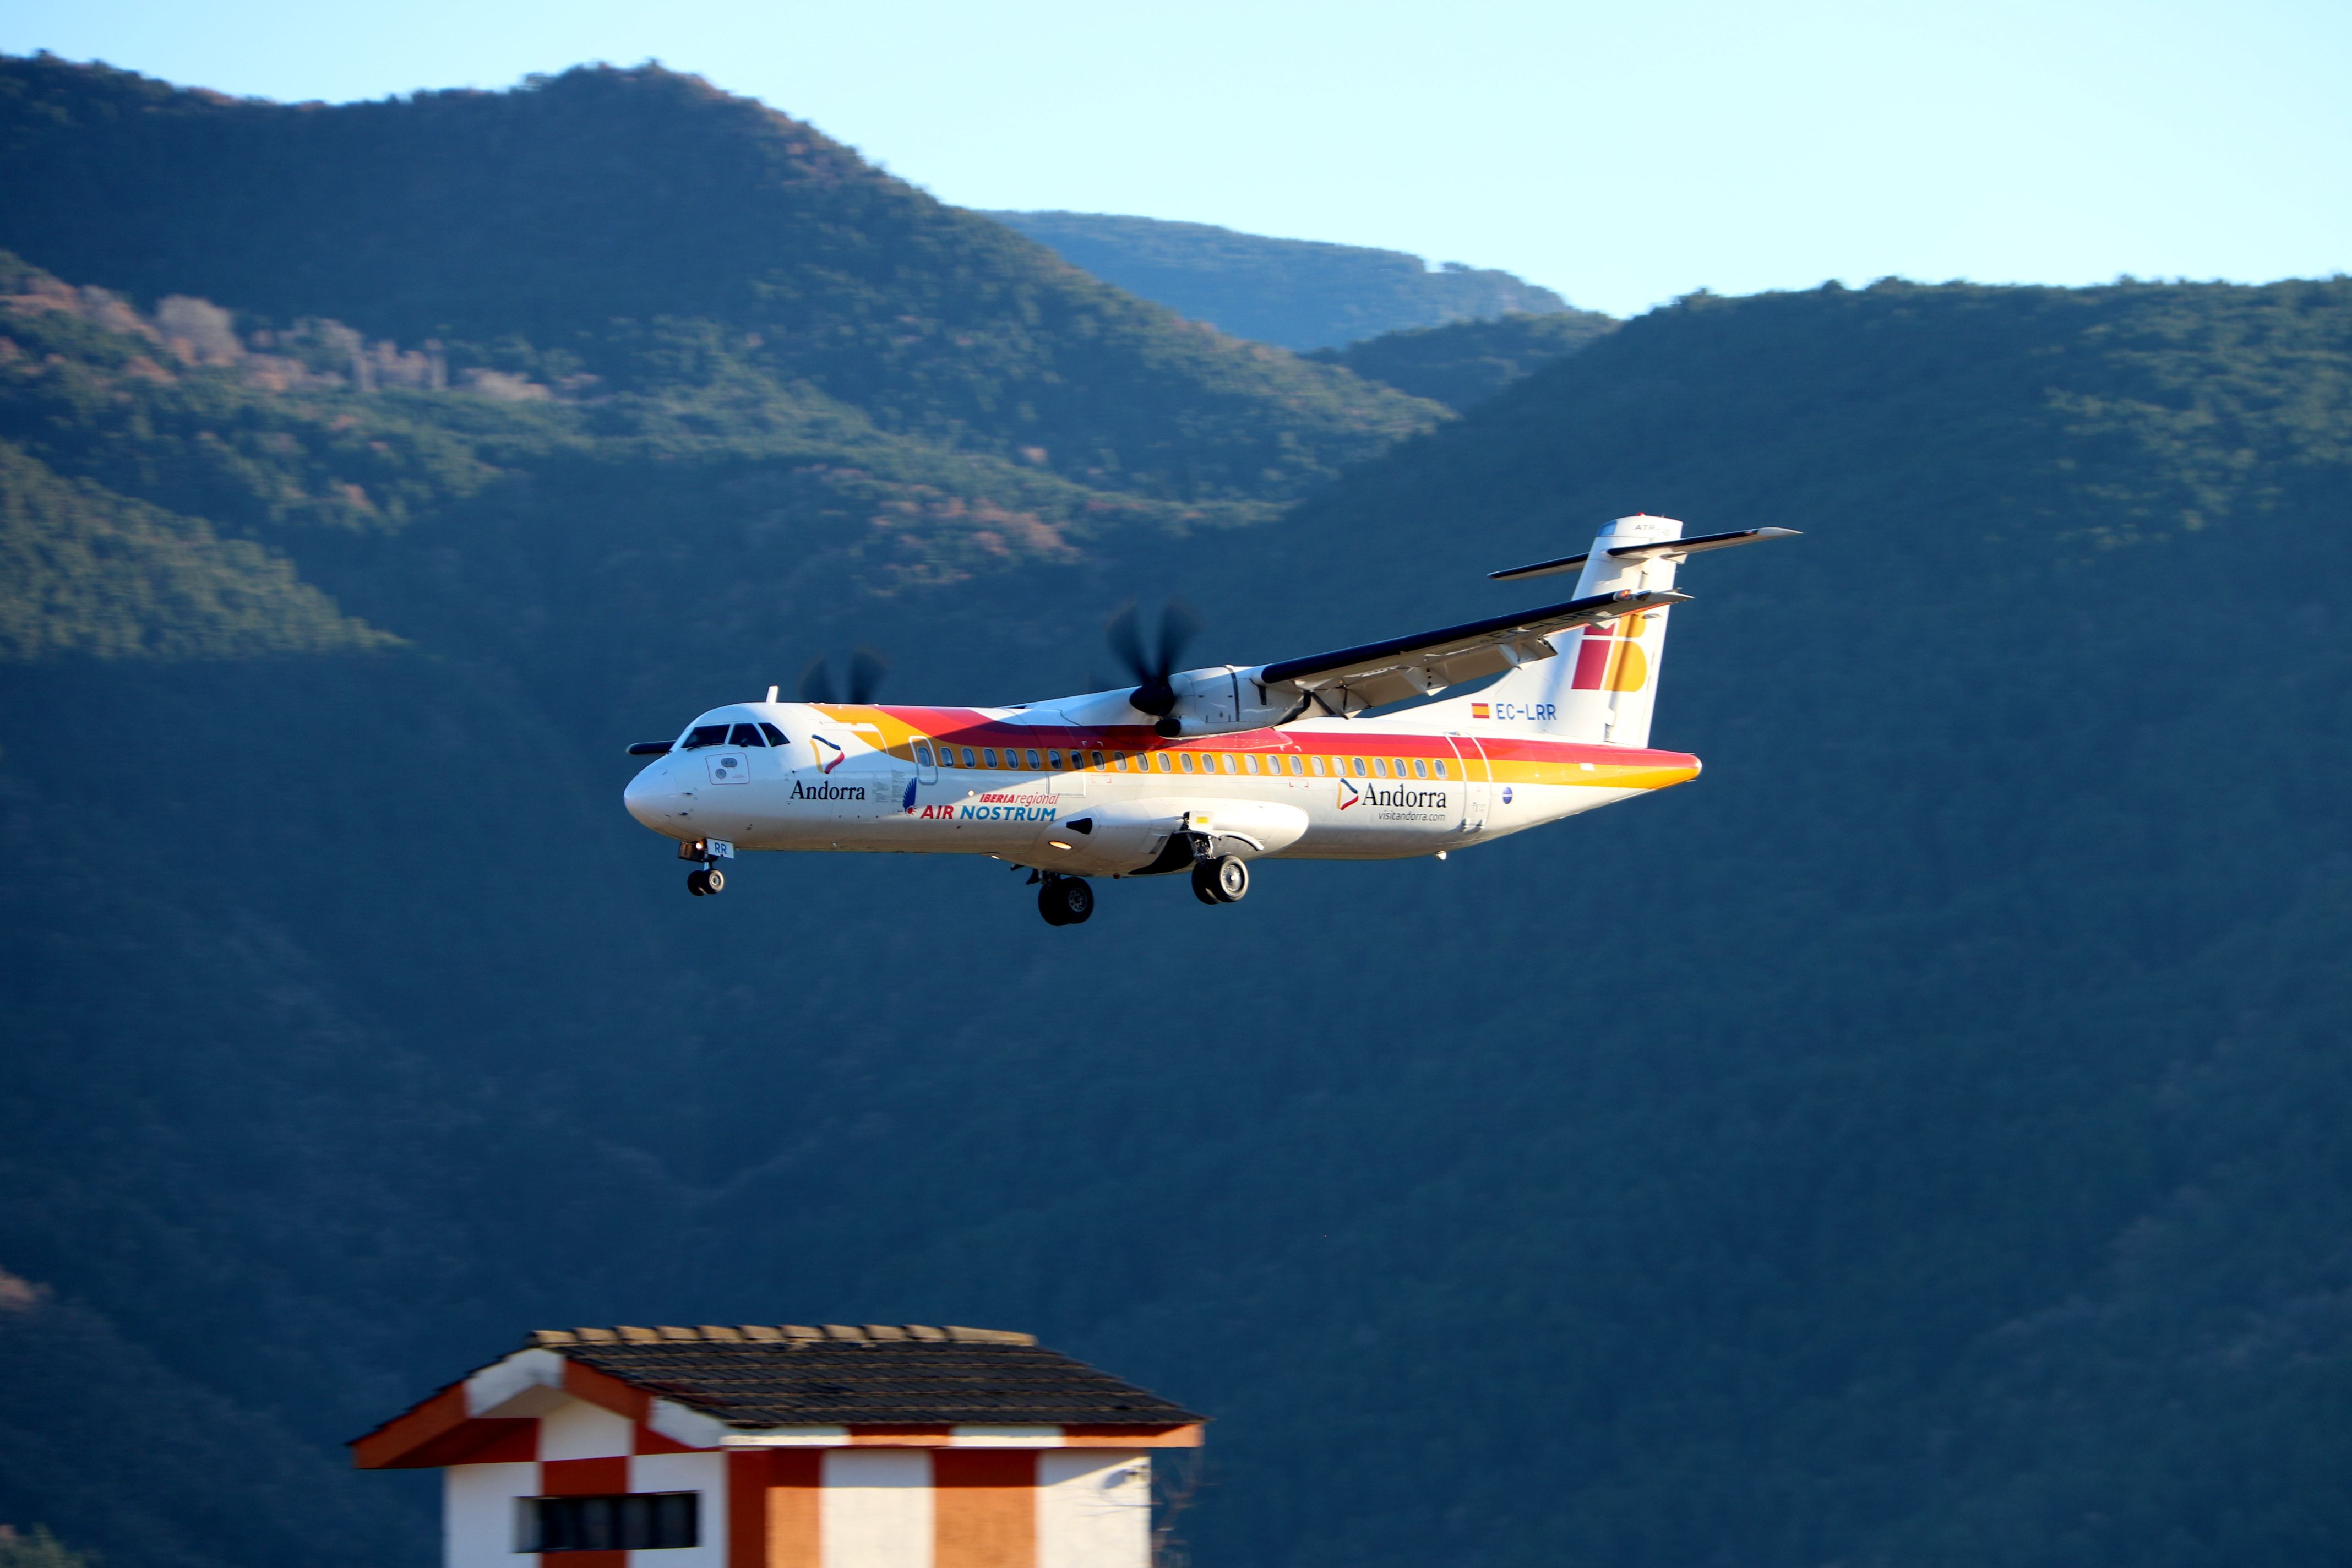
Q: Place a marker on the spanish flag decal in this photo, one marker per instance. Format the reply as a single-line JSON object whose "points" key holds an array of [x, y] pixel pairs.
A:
{"points": [[1481, 711]]}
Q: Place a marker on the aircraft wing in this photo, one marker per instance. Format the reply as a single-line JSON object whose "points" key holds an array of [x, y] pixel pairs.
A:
{"points": [[1351, 678]]}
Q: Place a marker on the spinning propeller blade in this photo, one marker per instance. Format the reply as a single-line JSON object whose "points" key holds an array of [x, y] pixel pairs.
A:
{"points": [[867, 670], [1151, 667]]}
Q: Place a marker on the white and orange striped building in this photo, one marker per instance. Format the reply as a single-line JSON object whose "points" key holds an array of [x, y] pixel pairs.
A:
{"points": [[877, 1446]]}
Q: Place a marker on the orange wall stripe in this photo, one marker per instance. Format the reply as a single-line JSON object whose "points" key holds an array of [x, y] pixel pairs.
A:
{"points": [[896, 1435], [1185, 1436], [984, 1508], [795, 1522]]}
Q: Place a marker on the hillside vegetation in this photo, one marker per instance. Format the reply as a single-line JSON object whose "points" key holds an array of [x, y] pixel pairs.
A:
{"points": [[607, 231], [1297, 293], [1464, 364], [1917, 1141]]}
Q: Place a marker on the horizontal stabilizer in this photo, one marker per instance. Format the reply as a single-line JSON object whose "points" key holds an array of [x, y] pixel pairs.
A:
{"points": [[1676, 548]]}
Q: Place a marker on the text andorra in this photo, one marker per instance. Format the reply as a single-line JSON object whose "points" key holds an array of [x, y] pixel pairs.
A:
{"points": [[1375, 795], [827, 791]]}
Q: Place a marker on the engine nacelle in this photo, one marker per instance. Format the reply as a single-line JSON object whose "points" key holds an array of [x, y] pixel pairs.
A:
{"points": [[1221, 700]]}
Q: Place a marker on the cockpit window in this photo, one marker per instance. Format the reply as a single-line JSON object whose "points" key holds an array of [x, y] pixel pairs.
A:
{"points": [[775, 736], [706, 735], [747, 735]]}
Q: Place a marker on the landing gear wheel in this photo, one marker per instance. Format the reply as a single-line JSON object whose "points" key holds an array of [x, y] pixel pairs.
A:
{"points": [[1224, 880], [1066, 902], [709, 879], [694, 882]]}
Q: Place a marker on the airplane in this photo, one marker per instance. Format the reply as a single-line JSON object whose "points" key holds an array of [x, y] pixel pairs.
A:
{"points": [[1412, 746]]}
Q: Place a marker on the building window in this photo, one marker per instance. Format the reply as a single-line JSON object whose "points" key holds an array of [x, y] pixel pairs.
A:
{"points": [[639, 1522]]}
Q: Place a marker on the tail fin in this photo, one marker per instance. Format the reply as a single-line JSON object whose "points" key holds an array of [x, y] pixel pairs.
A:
{"points": [[1605, 681]]}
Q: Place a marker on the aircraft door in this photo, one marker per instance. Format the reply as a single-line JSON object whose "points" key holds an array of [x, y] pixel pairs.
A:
{"points": [[1479, 788], [926, 766]]}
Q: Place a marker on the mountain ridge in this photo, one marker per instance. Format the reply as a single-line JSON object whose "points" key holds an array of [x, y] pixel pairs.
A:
{"points": [[1299, 294], [694, 227]]}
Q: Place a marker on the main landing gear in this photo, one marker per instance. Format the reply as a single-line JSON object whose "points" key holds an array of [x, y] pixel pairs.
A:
{"points": [[1065, 901], [1222, 880]]}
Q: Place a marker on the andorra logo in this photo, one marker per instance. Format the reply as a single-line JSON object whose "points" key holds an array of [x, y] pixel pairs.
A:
{"points": [[820, 745], [1348, 795]]}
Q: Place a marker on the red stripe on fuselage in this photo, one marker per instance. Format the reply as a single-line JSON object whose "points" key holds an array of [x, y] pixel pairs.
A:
{"points": [[966, 727]]}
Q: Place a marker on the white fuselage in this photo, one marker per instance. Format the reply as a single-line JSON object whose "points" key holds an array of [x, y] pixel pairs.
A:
{"points": [[1105, 799]]}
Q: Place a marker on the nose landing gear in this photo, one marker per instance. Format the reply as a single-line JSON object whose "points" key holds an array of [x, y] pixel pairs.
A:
{"points": [[706, 878], [1065, 901]]}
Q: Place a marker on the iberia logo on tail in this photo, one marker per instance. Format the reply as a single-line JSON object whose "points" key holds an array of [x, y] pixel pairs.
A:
{"points": [[1611, 658]]}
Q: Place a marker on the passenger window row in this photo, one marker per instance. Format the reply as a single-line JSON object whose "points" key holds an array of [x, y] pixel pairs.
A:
{"points": [[1240, 764]]}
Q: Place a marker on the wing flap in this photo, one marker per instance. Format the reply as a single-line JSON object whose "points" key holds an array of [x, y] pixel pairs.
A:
{"points": [[1373, 674]]}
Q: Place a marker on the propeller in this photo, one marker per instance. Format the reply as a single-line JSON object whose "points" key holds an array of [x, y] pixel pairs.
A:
{"points": [[1151, 666], [867, 670]]}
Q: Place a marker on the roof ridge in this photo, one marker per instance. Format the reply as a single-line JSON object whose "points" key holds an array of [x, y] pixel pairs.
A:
{"points": [[774, 1334]]}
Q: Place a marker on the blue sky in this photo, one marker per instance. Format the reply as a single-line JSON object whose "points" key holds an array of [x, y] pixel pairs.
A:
{"points": [[1621, 155]]}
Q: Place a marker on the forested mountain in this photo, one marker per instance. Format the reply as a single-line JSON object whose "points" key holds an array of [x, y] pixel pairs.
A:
{"points": [[1297, 293], [608, 232], [1917, 1141], [1464, 364]]}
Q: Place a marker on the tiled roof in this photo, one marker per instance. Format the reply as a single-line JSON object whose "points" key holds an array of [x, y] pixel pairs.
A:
{"points": [[874, 1374]]}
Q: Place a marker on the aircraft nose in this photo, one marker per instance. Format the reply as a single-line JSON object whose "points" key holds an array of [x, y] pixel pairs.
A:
{"points": [[650, 797]]}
